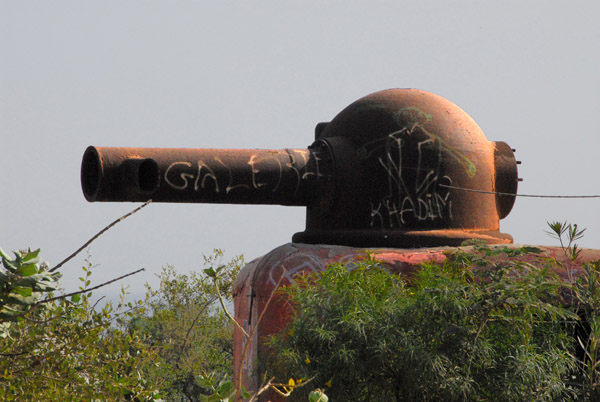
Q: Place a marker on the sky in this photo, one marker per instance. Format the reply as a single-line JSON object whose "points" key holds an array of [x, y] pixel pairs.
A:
{"points": [[262, 74]]}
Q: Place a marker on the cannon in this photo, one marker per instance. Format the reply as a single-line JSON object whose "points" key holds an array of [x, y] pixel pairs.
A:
{"points": [[397, 168]]}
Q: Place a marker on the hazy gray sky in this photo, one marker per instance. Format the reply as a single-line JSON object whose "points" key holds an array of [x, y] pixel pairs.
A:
{"points": [[262, 74]]}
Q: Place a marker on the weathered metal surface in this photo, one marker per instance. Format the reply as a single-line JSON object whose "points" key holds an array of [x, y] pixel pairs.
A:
{"points": [[385, 172], [394, 153], [236, 176], [506, 177], [257, 281]]}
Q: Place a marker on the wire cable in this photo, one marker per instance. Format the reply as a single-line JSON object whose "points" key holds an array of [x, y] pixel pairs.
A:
{"points": [[518, 195]]}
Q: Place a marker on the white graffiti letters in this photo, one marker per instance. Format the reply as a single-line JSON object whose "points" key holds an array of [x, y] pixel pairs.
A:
{"points": [[413, 192], [181, 182], [265, 171]]}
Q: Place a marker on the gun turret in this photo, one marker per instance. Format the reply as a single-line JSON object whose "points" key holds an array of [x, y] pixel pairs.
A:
{"points": [[397, 168]]}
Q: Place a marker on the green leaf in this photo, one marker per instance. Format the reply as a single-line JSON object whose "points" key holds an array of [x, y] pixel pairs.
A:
{"points": [[245, 394], [26, 292], [211, 273], [27, 270], [76, 298], [9, 264], [8, 313], [226, 389], [317, 396], [22, 300], [31, 255], [532, 249], [39, 282], [3, 255], [213, 398]]}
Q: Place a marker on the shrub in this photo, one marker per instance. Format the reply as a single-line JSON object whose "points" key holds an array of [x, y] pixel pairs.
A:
{"points": [[71, 348], [451, 333], [191, 335]]}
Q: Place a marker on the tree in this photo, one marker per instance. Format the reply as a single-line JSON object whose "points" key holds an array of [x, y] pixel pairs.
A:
{"points": [[189, 332], [65, 346], [73, 349]]}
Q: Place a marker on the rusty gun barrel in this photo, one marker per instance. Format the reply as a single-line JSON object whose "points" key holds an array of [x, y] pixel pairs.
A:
{"points": [[233, 176]]}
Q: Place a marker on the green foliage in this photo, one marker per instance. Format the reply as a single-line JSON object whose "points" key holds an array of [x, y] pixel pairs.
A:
{"points": [[68, 347], [74, 349], [219, 391], [192, 337], [483, 326], [318, 395], [585, 295], [567, 234], [494, 332], [71, 348], [24, 280]]}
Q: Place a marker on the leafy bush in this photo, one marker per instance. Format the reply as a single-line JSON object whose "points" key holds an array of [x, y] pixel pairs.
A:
{"points": [[23, 282], [451, 333], [175, 344], [68, 347], [585, 300], [191, 335], [62, 349]]}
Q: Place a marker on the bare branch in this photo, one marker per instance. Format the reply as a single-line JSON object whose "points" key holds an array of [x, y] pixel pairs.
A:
{"points": [[262, 389], [227, 313], [98, 235], [90, 289]]}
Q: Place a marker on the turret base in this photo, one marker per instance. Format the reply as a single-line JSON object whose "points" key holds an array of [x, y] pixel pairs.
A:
{"points": [[400, 239]]}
